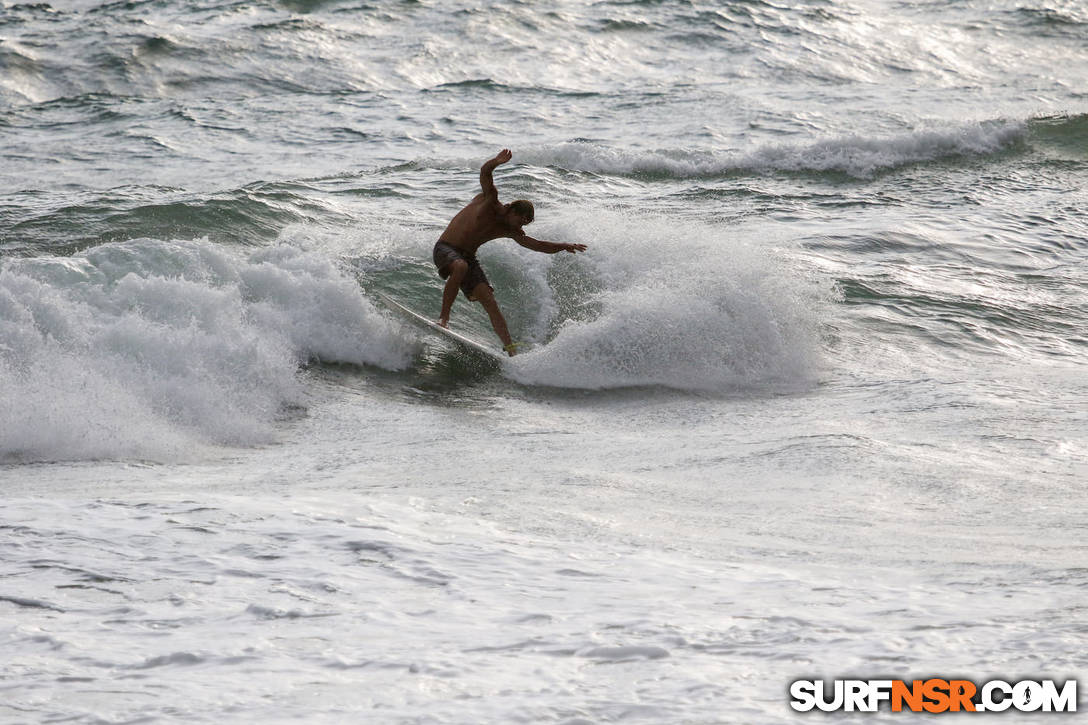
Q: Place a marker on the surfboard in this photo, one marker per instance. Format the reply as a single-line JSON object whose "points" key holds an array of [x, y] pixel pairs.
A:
{"points": [[457, 338]]}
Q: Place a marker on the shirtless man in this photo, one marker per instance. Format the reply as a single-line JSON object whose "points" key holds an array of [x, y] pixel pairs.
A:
{"points": [[485, 218]]}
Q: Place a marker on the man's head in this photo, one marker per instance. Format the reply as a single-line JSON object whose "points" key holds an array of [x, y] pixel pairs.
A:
{"points": [[520, 212]]}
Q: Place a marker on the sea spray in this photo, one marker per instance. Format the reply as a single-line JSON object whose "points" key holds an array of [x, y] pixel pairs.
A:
{"points": [[683, 305]]}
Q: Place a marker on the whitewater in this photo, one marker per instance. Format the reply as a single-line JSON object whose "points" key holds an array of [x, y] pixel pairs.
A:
{"points": [[812, 404]]}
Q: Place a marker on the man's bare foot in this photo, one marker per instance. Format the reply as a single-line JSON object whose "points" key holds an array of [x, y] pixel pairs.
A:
{"points": [[444, 322]]}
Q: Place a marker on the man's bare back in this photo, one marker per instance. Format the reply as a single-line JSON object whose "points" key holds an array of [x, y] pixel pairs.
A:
{"points": [[483, 219], [480, 221]]}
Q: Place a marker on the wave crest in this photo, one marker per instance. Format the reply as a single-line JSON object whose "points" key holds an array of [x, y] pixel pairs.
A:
{"points": [[856, 156]]}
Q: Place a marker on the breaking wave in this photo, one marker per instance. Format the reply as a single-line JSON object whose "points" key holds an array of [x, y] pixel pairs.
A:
{"points": [[148, 348]]}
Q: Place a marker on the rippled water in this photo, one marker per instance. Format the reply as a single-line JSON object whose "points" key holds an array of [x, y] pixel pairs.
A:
{"points": [[812, 403]]}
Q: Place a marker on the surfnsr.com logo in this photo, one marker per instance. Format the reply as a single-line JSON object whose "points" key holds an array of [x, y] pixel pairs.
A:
{"points": [[934, 695]]}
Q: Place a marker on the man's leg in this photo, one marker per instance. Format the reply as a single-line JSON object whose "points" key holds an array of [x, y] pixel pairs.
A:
{"points": [[458, 269], [482, 294]]}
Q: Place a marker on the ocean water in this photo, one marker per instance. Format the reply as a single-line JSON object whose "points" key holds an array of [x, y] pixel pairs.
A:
{"points": [[814, 402]]}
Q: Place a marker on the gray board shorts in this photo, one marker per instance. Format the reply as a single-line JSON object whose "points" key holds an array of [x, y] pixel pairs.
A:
{"points": [[445, 254]]}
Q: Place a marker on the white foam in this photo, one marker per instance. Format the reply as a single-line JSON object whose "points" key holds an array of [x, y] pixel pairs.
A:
{"points": [[149, 348], [679, 304], [859, 156], [626, 653]]}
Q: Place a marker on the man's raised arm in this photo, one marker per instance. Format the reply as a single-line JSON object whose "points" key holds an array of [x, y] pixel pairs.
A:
{"points": [[486, 181], [539, 245]]}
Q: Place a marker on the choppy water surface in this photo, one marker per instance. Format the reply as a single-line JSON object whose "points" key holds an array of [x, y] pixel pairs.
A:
{"points": [[813, 402]]}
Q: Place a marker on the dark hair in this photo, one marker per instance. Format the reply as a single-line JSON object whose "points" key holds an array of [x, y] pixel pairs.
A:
{"points": [[524, 209]]}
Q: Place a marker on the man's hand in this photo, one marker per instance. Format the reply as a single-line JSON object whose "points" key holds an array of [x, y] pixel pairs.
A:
{"points": [[486, 182], [538, 245]]}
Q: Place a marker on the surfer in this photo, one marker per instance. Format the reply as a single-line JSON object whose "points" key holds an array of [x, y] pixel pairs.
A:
{"points": [[485, 218]]}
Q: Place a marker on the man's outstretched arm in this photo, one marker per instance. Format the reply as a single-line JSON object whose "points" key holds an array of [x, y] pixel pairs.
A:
{"points": [[539, 245], [486, 181]]}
